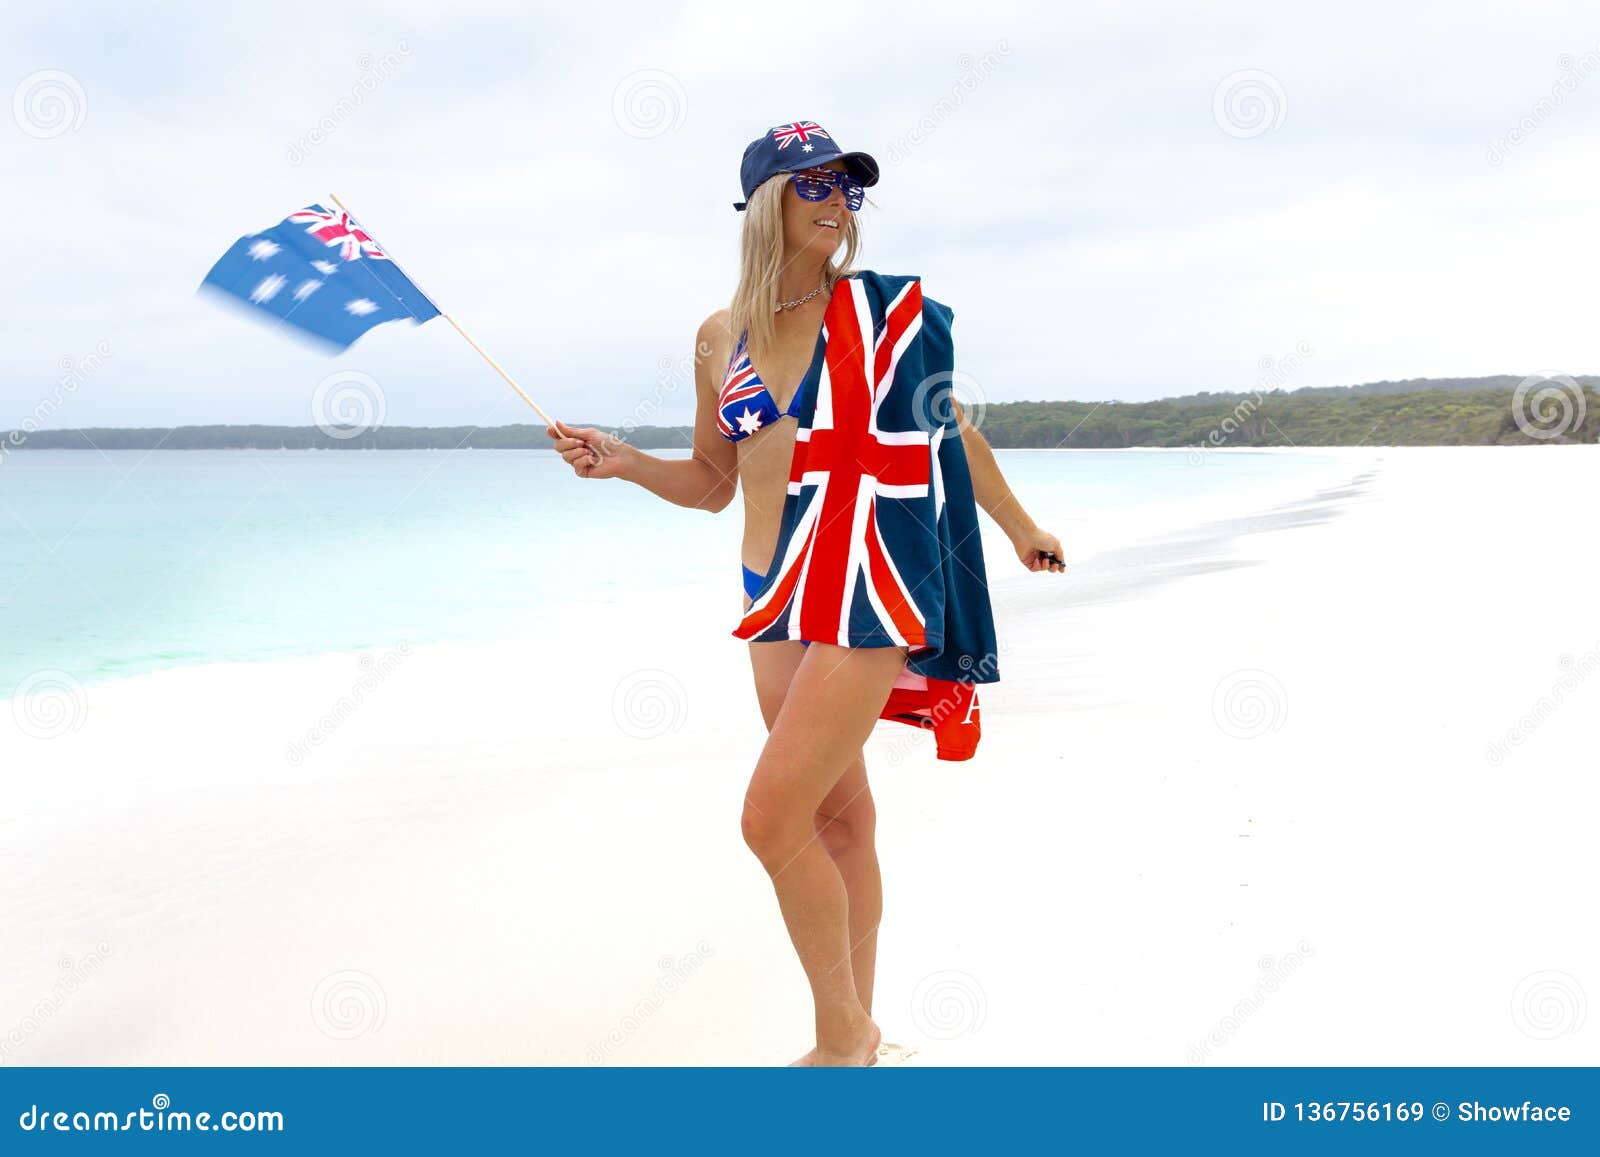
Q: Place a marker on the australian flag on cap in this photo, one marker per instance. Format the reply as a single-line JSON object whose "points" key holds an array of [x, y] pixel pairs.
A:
{"points": [[787, 148], [321, 273]]}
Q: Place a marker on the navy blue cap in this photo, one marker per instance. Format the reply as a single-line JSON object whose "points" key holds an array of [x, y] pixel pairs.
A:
{"points": [[797, 145]]}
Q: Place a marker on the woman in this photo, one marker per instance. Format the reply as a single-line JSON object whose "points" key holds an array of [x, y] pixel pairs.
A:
{"points": [[808, 813]]}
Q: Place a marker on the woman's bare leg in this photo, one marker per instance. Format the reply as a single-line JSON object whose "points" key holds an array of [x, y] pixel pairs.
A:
{"points": [[830, 707], [845, 822]]}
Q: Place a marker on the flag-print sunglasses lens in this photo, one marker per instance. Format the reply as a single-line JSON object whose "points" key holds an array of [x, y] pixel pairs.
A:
{"points": [[816, 184]]}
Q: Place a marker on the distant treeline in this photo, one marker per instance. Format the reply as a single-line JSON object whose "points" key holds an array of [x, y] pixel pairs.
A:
{"points": [[1505, 382], [1422, 412], [1303, 418]]}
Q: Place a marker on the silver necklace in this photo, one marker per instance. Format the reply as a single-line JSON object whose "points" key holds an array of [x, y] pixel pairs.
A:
{"points": [[788, 305]]}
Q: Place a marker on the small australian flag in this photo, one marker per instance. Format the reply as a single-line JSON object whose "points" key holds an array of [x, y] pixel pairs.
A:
{"points": [[320, 272]]}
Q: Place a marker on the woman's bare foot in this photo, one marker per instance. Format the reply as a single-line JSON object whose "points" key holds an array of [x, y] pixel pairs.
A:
{"points": [[806, 1061], [861, 1054]]}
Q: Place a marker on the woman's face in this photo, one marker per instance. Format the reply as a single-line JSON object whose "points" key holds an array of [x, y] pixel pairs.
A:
{"points": [[814, 228]]}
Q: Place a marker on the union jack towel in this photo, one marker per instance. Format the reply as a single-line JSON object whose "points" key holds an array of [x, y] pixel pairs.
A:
{"points": [[879, 542]]}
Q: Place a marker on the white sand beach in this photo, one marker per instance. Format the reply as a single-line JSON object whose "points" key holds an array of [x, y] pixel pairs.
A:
{"points": [[1304, 778]]}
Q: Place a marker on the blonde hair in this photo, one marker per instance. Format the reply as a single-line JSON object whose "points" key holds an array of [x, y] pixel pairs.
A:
{"points": [[761, 261]]}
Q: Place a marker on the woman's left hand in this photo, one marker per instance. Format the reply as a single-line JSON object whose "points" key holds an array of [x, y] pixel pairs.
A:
{"points": [[1033, 545]]}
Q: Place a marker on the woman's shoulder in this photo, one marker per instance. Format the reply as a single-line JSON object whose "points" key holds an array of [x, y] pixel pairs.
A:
{"points": [[714, 340], [718, 327]]}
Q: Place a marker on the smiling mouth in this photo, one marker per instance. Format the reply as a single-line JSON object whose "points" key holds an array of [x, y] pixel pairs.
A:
{"points": [[827, 222]]}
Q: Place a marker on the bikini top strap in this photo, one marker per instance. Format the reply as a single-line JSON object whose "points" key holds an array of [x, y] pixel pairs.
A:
{"points": [[737, 350]]}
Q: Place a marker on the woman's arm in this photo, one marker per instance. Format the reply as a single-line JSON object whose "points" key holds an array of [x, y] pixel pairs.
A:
{"points": [[706, 480], [994, 495]]}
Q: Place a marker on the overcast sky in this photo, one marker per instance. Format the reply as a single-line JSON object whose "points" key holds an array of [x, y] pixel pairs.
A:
{"points": [[1118, 201]]}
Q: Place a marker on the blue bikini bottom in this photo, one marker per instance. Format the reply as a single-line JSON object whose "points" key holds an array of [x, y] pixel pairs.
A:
{"points": [[752, 583]]}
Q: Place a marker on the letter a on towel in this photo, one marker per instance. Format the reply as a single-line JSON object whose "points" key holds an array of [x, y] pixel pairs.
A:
{"points": [[878, 545]]}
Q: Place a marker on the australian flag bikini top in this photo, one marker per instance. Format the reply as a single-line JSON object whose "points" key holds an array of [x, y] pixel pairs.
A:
{"points": [[744, 405]]}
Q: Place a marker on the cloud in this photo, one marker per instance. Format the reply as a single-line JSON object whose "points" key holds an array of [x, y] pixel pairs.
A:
{"points": [[1072, 196]]}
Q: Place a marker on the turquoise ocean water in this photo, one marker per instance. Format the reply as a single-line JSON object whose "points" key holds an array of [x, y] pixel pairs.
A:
{"points": [[126, 562]]}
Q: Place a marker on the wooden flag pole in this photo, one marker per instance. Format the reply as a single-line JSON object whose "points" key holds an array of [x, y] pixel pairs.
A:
{"points": [[494, 365]]}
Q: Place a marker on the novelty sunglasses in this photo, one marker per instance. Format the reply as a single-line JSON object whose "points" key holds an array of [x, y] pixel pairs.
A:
{"points": [[817, 184]]}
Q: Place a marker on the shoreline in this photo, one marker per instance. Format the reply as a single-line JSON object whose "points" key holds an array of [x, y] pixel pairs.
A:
{"points": [[1080, 533]]}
